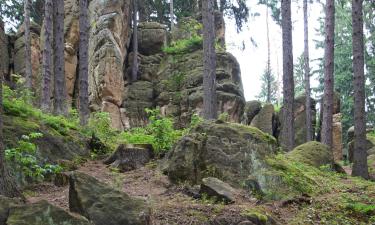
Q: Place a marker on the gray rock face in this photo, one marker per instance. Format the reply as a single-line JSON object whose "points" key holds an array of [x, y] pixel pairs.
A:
{"points": [[252, 108], [152, 37], [218, 189], [264, 120], [19, 52], [230, 152], [103, 205], [175, 84], [300, 119]]}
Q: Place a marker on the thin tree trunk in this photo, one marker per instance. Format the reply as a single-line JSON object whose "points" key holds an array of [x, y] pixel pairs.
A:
{"points": [[83, 62], [60, 95], [287, 140], [171, 14], [326, 134], [268, 59], [209, 61], [135, 42], [8, 186], [309, 129], [28, 70], [360, 167], [47, 57]]}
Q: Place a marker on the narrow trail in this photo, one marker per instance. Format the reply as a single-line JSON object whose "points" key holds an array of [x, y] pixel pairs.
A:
{"points": [[170, 204]]}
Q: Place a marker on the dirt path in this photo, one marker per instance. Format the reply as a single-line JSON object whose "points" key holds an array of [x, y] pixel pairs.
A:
{"points": [[169, 203]]}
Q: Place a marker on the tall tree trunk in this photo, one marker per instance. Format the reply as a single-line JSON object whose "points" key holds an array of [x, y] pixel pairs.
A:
{"points": [[326, 134], [309, 129], [360, 167], [47, 57], [287, 140], [8, 186], [268, 58], [135, 42], [84, 111], [28, 70], [60, 94], [209, 61], [171, 14]]}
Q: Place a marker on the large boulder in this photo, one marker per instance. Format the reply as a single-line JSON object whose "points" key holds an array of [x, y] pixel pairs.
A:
{"points": [[312, 153], [300, 128], [370, 147], [264, 120], [109, 38], [299, 116], [228, 151], [152, 37], [42, 213], [252, 108], [101, 204]]}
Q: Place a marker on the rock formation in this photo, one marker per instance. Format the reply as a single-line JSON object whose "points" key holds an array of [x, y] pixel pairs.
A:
{"points": [[4, 55], [264, 120]]}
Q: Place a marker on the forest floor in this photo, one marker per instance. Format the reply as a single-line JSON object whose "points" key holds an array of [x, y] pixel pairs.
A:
{"points": [[172, 205]]}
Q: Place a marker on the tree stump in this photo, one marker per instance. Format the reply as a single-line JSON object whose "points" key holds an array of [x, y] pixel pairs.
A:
{"points": [[130, 157]]}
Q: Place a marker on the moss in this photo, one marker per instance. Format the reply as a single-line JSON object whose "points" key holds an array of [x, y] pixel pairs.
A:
{"points": [[257, 214], [255, 132], [312, 153]]}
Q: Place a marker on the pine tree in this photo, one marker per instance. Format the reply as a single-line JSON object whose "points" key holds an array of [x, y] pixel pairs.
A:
{"points": [[360, 167], [47, 57], [209, 61], [83, 62], [287, 139], [309, 128], [60, 94], [28, 70], [328, 74]]}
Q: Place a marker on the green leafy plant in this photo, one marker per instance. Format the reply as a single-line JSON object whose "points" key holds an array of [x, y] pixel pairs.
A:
{"points": [[23, 158], [100, 126]]}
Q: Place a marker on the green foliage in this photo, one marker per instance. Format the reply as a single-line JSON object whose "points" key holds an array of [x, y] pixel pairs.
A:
{"points": [[299, 76], [162, 130], [361, 208], [224, 117], [100, 126], [184, 46], [23, 159], [268, 79]]}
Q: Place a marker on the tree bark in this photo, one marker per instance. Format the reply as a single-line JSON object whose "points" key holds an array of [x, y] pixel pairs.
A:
{"points": [[360, 167], [8, 186], [47, 57], [268, 58], [60, 95], [287, 139], [209, 61], [84, 111], [309, 129], [28, 70], [326, 134], [171, 14], [135, 42]]}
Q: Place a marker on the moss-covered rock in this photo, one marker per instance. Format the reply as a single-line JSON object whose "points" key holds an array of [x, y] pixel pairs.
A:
{"points": [[42, 213], [312, 153], [228, 151], [264, 120], [103, 205], [252, 108], [5, 205]]}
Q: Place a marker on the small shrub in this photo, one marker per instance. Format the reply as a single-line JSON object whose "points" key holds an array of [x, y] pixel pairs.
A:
{"points": [[100, 126], [23, 158]]}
